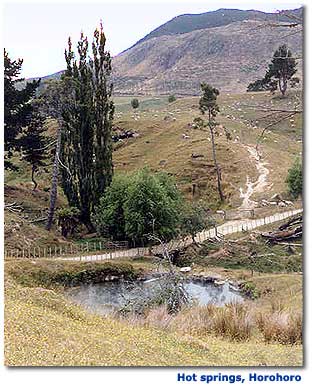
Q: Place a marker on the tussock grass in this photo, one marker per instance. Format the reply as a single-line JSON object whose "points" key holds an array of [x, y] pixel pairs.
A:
{"points": [[234, 322], [281, 327]]}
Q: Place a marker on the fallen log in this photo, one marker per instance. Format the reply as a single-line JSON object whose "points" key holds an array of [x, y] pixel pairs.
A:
{"points": [[291, 222], [283, 235]]}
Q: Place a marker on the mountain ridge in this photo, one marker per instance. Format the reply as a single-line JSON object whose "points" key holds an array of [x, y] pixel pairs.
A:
{"points": [[223, 16], [229, 55]]}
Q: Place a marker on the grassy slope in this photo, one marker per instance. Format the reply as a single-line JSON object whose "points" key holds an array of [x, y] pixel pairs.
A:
{"points": [[162, 147], [72, 337]]}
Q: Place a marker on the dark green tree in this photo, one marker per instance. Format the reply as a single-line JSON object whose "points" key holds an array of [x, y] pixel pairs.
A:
{"points": [[17, 106], [265, 84], [68, 220], [282, 67], [139, 205], [109, 216], [171, 98], [295, 179], [281, 70], [195, 218], [34, 144], [86, 144], [208, 103], [135, 103]]}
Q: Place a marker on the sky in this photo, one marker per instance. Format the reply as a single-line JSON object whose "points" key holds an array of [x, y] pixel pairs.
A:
{"points": [[38, 32]]}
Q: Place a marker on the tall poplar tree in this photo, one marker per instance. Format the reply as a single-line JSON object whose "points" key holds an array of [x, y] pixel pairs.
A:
{"points": [[86, 147]]}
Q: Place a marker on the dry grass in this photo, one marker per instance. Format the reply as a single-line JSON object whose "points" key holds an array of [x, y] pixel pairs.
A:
{"points": [[235, 322], [43, 329], [281, 327]]}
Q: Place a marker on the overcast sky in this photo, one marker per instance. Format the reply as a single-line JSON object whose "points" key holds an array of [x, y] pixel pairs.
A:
{"points": [[38, 32]]}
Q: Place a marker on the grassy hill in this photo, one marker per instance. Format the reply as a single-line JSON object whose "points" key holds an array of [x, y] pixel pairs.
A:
{"points": [[190, 22], [229, 57], [166, 141]]}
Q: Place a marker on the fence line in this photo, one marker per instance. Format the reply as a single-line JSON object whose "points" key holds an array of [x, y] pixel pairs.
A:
{"points": [[224, 229]]}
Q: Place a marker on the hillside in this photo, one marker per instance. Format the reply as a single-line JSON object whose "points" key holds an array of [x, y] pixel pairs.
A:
{"points": [[190, 22], [166, 140], [228, 57], [228, 48]]}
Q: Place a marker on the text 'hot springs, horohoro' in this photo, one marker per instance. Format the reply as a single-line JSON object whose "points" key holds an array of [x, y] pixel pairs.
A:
{"points": [[237, 378]]}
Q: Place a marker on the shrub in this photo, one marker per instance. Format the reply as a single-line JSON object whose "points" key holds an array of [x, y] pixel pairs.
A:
{"points": [[169, 292], [137, 205], [249, 288], [195, 218], [198, 123], [135, 103], [68, 220], [294, 179], [109, 218], [172, 98]]}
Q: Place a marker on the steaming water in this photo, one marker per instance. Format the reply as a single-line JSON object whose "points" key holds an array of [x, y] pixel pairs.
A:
{"points": [[106, 297]]}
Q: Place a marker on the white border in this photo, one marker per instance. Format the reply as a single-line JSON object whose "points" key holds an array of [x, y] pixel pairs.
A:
{"points": [[167, 377]]}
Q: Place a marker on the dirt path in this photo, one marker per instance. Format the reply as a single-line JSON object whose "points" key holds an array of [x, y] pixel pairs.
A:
{"points": [[254, 187]]}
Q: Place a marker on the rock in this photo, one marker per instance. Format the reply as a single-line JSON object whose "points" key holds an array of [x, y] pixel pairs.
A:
{"points": [[197, 155], [276, 197], [219, 282], [185, 269]]}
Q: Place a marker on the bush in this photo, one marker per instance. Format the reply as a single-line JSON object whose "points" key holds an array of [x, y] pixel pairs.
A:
{"points": [[68, 220], [138, 205], [169, 292], [198, 123], [171, 98], [109, 218], [195, 218], [135, 103], [294, 179]]}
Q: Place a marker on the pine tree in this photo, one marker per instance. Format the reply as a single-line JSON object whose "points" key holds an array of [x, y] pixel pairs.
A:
{"points": [[17, 106], [33, 144], [282, 67], [208, 102], [86, 144]]}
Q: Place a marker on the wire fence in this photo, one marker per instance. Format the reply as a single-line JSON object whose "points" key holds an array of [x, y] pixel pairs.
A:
{"points": [[108, 251], [55, 251]]}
